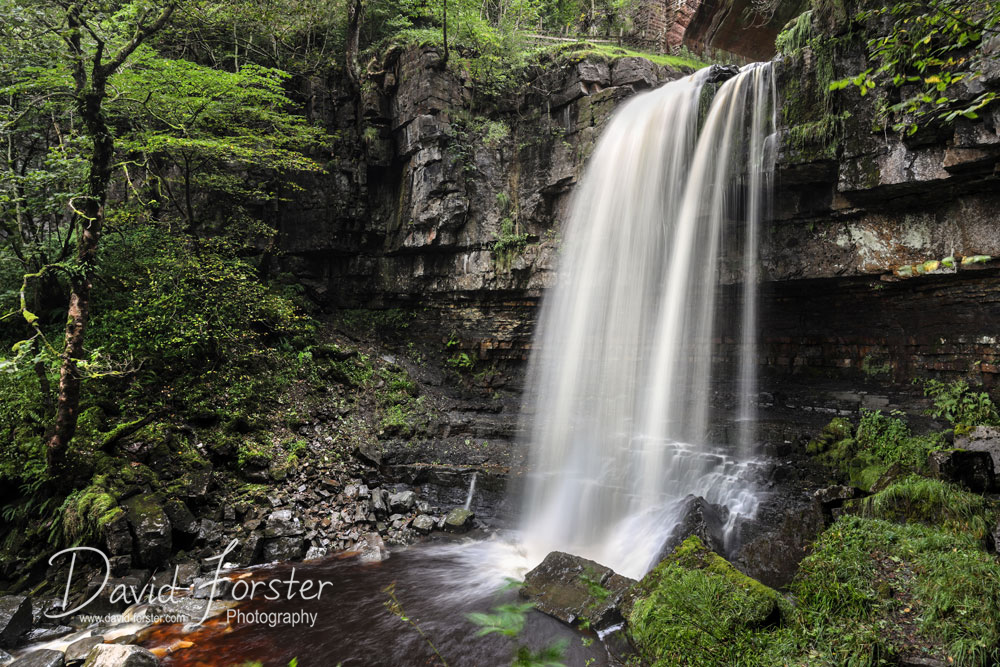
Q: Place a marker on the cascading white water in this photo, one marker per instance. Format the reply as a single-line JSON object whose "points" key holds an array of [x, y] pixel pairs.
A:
{"points": [[619, 388], [472, 490]]}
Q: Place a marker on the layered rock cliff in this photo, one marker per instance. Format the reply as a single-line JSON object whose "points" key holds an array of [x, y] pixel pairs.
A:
{"points": [[453, 210]]}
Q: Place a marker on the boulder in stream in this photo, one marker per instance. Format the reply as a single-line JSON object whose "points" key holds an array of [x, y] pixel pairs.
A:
{"points": [[120, 655], [459, 520], [78, 651], [43, 657], [574, 589], [371, 548]]}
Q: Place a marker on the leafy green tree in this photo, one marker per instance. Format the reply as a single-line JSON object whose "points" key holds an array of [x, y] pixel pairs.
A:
{"points": [[102, 132], [94, 49]]}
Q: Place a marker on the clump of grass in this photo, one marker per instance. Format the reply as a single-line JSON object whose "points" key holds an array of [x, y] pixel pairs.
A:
{"points": [[923, 500], [918, 585]]}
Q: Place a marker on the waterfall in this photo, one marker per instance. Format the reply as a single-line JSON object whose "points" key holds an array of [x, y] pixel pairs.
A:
{"points": [[619, 389]]}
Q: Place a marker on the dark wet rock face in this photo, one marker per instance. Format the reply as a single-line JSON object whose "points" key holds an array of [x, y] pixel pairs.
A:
{"points": [[574, 589], [284, 548], [700, 518], [779, 537], [15, 618], [981, 439], [150, 527], [973, 470]]}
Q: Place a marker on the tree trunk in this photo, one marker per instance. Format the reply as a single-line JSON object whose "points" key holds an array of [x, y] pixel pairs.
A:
{"points": [[89, 220], [90, 77]]}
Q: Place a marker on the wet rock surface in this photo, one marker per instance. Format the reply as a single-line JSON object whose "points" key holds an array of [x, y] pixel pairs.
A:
{"points": [[701, 518], [41, 658], [981, 439], [111, 655], [574, 589], [150, 527], [973, 470], [78, 651], [15, 618]]}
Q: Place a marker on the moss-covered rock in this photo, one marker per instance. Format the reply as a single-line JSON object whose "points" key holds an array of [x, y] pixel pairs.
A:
{"points": [[693, 600]]}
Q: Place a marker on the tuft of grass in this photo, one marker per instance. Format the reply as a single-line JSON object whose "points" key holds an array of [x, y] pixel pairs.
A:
{"points": [[918, 586], [924, 500]]}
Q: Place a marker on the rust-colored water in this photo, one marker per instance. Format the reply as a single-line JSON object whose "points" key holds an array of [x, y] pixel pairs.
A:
{"points": [[354, 627]]}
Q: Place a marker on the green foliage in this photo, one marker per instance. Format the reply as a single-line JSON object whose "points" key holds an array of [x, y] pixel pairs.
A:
{"points": [[508, 620], [195, 124], [85, 511], [253, 454], [510, 242], [959, 404], [795, 36], [882, 441], [594, 588], [180, 301], [547, 656], [930, 49], [384, 322], [355, 371], [461, 361], [872, 368], [580, 50]]}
